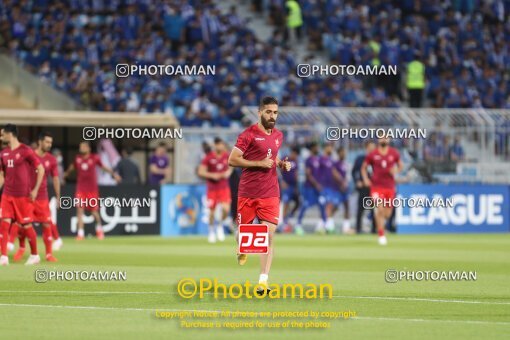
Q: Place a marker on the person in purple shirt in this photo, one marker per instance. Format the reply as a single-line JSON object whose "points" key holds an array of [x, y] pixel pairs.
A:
{"points": [[312, 190], [289, 187], [159, 166], [341, 193], [330, 191]]}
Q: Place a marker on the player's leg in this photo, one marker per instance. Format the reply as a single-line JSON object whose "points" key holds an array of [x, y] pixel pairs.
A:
{"points": [[267, 259], [309, 200], [99, 225], [321, 201], [57, 241], [81, 230], [267, 212], [21, 250], [212, 212], [5, 224], [32, 241], [225, 213], [48, 242], [13, 235], [245, 215], [346, 224]]}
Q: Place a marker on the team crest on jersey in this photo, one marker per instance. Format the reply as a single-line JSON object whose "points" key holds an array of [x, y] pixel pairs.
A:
{"points": [[277, 142]]}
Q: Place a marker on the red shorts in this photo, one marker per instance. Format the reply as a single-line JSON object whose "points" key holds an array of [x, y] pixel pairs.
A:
{"points": [[42, 211], [265, 209], [88, 200], [383, 193], [18, 209], [218, 196]]}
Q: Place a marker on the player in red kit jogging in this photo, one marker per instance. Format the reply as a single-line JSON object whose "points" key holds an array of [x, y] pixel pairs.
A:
{"points": [[87, 190], [386, 163], [214, 168], [256, 152], [17, 164]]}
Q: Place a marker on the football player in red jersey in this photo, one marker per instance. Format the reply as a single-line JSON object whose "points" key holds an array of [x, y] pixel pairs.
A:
{"points": [[42, 213], [256, 153], [214, 168], [17, 165], [87, 189], [386, 163]]}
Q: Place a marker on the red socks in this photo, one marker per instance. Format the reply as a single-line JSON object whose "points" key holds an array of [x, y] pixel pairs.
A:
{"points": [[13, 235], [381, 232], [22, 236], [4, 233], [32, 239], [47, 238], [54, 231]]}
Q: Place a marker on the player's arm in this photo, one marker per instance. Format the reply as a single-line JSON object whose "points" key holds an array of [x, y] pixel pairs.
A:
{"points": [[312, 179], [70, 169], [38, 181], [398, 167], [236, 160], [203, 173], [364, 174], [56, 188], [337, 177], [111, 172], [283, 165], [228, 172], [2, 180]]}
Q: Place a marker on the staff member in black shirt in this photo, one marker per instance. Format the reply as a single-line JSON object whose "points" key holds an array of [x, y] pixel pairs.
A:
{"points": [[363, 191]]}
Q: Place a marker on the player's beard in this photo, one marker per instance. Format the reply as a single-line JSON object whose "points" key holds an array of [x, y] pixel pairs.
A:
{"points": [[383, 145], [268, 124]]}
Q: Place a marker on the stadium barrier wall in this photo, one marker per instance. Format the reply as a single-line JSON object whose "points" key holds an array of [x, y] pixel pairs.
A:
{"points": [[183, 210], [133, 218], [477, 208]]}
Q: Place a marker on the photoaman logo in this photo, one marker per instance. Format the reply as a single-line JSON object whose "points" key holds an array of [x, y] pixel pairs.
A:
{"points": [[253, 239]]}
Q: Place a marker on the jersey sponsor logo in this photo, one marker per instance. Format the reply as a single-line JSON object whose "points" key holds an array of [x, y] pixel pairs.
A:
{"points": [[17, 156], [259, 139], [253, 239]]}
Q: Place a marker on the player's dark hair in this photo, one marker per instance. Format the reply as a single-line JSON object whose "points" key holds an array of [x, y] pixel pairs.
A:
{"points": [[296, 149], [44, 134], [268, 100], [162, 145], [11, 128], [218, 140]]}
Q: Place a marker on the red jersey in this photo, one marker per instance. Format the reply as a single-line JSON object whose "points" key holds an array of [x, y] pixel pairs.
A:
{"points": [[256, 145], [216, 163], [86, 172], [18, 166], [49, 162], [381, 167]]}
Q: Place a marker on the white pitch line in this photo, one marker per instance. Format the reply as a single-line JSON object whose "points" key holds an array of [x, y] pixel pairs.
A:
{"points": [[431, 320], [421, 299], [396, 298], [217, 311]]}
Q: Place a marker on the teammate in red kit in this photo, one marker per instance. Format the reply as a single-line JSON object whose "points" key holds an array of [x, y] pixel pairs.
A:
{"points": [[42, 213], [17, 164], [214, 168], [256, 152], [87, 189], [386, 163]]}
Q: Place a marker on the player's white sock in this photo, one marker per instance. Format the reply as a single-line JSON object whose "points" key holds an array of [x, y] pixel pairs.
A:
{"points": [[81, 233], [319, 227], [330, 224], [346, 226], [4, 260], [10, 246], [212, 235], [220, 233], [263, 278]]}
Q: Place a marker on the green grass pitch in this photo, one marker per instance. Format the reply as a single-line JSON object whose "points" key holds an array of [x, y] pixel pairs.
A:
{"points": [[354, 265]]}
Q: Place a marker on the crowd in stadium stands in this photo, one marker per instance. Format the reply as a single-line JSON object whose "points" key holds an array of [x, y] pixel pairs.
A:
{"points": [[75, 46]]}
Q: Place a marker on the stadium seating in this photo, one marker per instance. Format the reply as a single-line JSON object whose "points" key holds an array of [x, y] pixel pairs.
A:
{"points": [[467, 54]]}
